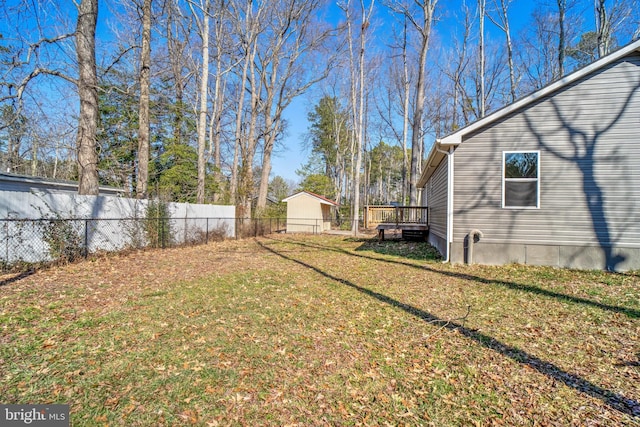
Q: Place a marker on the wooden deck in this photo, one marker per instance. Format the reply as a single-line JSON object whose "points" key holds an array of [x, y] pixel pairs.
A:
{"points": [[411, 220]]}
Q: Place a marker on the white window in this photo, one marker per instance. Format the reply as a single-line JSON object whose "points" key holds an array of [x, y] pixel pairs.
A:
{"points": [[521, 179]]}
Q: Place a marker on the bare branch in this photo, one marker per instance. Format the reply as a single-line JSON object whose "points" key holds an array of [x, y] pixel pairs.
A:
{"points": [[35, 46], [119, 57], [23, 85]]}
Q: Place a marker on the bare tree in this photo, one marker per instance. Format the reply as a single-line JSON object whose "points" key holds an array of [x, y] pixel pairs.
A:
{"points": [[406, 86], [562, 12], [25, 66], [603, 27], [86, 83], [295, 37], [357, 72], [619, 19], [143, 120], [203, 28], [502, 21], [421, 17], [249, 24], [178, 28], [88, 94], [222, 48], [481, 58], [247, 29], [538, 54]]}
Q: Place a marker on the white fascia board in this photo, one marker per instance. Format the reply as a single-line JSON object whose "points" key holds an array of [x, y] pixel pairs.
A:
{"points": [[429, 166], [322, 201]]}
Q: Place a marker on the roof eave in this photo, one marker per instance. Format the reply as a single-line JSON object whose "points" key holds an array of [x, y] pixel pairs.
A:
{"points": [[321, 199], [435, 157]]}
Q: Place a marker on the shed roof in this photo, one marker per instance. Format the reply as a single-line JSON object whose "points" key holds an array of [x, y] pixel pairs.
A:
{"points": [[323, 200], [454, 139]]}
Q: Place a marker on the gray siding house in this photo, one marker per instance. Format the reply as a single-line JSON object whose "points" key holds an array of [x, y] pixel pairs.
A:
{"points": [[552, 179]]}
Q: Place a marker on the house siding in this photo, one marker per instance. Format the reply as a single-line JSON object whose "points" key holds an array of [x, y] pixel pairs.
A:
{"points": [[437, 191], [589, 215]]}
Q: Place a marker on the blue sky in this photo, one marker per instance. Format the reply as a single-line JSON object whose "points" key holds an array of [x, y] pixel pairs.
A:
{"points": [[293, 154]]}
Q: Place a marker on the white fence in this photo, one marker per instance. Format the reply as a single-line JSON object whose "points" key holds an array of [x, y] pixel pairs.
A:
{"points": [[38, 226]]}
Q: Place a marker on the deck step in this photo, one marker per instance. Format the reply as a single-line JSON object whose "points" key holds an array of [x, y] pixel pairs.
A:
{"points": [[420, 235], [409, 231]]}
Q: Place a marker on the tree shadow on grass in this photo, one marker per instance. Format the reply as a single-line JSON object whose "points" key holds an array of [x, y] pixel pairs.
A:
{"points": [[629, 312], [613, 400], [16, 277]]}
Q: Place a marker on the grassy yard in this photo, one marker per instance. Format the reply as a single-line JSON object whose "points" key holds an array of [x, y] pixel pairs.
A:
{"points": [[309, 330]]}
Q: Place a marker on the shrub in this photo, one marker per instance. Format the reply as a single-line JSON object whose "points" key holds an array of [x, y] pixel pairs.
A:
{"points": [[158, 224], [65, 239]]}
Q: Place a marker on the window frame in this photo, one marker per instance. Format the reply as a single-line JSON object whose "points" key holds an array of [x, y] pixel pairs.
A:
{"points": [[505, 179]]}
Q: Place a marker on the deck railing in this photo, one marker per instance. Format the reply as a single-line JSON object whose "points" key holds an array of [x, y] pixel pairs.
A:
{"points": [[375, 215]]}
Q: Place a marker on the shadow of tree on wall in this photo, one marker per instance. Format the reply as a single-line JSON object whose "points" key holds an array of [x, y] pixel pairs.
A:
{"points": [[584, 143]]}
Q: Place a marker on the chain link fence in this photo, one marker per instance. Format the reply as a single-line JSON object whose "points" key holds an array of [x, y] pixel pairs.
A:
{"points": [[36, 241]]}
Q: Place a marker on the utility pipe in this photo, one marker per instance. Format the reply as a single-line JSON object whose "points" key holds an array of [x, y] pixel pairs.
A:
{"points": [[472, 238], [449, 195]]}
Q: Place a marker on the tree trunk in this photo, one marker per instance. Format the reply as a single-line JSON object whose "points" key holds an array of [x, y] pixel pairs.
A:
{"points": [[269, 142], [34, 157], [271, 127], [360, 125], [512, 70], [218, 98], [88, 94], [238, 130], [202, 117], [481, 48], [251, 142], [562, 8], [405, 117], [416, 130], [427, 7], [143, 120], [603, 28], [176, 60], [507, 33]]}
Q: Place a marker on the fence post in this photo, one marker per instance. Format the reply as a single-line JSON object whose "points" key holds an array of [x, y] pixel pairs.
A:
{"points": [[161, 232], [366, 216], [6, 232], [206, 239], [86, 238]]}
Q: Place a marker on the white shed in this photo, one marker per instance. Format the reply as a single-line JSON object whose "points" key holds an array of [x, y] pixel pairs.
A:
{"points": [[308, 213]]}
